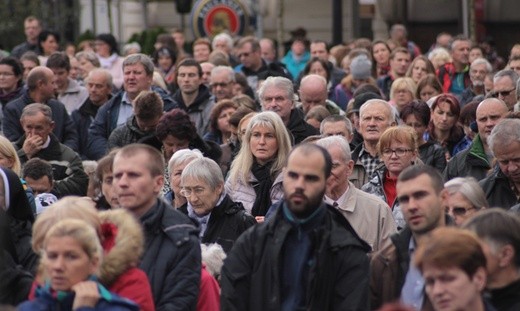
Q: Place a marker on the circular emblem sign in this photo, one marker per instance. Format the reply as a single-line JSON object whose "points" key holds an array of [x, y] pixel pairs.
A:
{"points": [[211, 17]]}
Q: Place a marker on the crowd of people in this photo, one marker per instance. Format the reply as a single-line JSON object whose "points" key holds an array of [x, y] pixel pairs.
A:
{"points": [[217, 175]]}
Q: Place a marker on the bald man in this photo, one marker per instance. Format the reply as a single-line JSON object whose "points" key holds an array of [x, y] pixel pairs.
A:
{"points": [[313, 92]]}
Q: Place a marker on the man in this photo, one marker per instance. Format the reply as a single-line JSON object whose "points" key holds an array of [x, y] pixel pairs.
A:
{"points": [[399, 34], [369, 216], [420, 191], [201, 50], [268, 50], [32, 29], [148, 109], [306, 257], [207, 67], [222, 81], [499, 233], [320, 50], [277, 94], [454, 76], [504, 87], [39, 142], [224, 42], [478, 71], [38, 175], [99, 87], [337, 125], [503, 185], [70, 93], [313, 92], [400, 59], [376, 116], [171, 258], [514, 64], [41, 87], [476, 160], [442, 40], [193, 96], [137, 76]]}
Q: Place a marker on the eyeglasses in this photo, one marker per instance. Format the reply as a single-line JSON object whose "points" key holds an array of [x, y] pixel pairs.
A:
{"points": [[459, 211], [222, 84], [6, 74], [503, 93], [186, 192], [399, 152]]}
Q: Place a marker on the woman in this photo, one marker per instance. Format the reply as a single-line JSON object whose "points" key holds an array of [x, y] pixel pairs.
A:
{"points": [[428, 87], [87, 62], [381, 56], [106, 198], [320, 67], [108, 54], [8, 156], [220, 129], [165, 59], [465, 198], [443, 127], [417, 116], [49, 42], [72, 256], [122, 244], [176, 166], [419, 68], [255, 178], [11, 82], [439, 57], [402, 93], [397, 148]]}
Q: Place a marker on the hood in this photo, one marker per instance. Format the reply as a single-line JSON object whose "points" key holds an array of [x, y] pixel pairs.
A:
{"points": [[123, 242], [15, 200]]}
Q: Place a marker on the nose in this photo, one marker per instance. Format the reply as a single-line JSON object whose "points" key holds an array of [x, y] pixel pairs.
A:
{"points": [[512, 166], [437, 289], [57, 263], [261, 140]]}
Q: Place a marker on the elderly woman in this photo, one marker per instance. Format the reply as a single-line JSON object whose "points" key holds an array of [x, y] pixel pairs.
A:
{"points": [[11, 74], [176, 166], [220, 219], [88, 61], [72, 256], [402, 93], [255, 178], [465, 198], [397, 148]]}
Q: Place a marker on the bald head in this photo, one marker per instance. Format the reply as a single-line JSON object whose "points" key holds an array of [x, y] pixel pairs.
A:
{"points": [[313, 92], [489, 112], [40, 73]]}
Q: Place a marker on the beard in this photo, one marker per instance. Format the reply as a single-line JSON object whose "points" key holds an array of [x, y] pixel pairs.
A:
{"points": [[303, 206]]}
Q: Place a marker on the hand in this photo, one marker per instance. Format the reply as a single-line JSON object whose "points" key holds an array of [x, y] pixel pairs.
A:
{"points": [[32, 144], [259, 219], [87, 295]]}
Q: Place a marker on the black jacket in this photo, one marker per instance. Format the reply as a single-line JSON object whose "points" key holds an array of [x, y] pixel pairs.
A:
{"points": [[298, 127], [337, 281], [82, 118], [171, 258], [200, 110], [226, 223], [506, 298], [126, 134], [498, 190], [433, 154], [470, 162]]}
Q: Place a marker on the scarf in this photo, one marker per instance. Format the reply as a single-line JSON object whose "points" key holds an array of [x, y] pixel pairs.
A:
{"points": [[107, 62], [262, 188]]}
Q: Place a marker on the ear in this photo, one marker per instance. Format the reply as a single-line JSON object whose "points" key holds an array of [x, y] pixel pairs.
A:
{"points": [[158, 182], [444, 195], [94, 265], [220, 188], [53, 124], [350, 167], [506, 256], [480, 278]]}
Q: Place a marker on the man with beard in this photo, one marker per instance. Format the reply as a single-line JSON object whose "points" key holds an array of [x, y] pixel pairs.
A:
{"points": [[478, 71], [307, 256]]}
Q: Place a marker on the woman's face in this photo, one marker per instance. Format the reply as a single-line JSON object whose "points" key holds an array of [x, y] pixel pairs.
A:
{"points": [[108, 190], [396, 163], [172, 144], [317, 68], [165, 62], [417, 125], [202, 198], [427, 92], [175, 178], [8, 80], [102, 48], [419, 70], [459, 207], [381, 54], [223, 120], [66, 263], [443, 118], [6, 162], [241, 130], [263, 144], [50, 45], [85, 67], [402, 97]]}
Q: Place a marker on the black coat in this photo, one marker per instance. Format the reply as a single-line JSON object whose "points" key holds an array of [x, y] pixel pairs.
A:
{"points": [[226, 223], [498, 191], [82, 119], [470, 162], [433, 154], [298, 128], [337, 281]]}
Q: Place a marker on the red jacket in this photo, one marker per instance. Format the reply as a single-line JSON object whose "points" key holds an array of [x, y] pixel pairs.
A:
{"points": [[209, 293], [447, 72]]}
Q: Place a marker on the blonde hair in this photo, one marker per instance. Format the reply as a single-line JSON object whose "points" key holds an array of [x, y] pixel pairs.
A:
{"points": [[402, 133], [406, 83], [8, 151]]}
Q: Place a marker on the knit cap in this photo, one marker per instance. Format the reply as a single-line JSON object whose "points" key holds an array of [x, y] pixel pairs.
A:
{"points": [[361, 67]]}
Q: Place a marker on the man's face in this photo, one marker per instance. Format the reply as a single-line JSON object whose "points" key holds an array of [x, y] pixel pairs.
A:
{"points": [[304, 181], [373, 121], [276, 99], [62, 78], [37, 125], [135, 79], [249, 58], [505, 89], [47, 89], [312, 96], [477, 74], [134, 185], [508, 158], [451, 289], [341, 170], [201, 53], [206, 72], [336, 128], [98, 89], [267, 51], [179, 39], [488, 114], [319, 49], [32, 30], [188, 79], [515, 65], [399, 64], [460, 51], [422, 206], [41, 185], [221, 86]]}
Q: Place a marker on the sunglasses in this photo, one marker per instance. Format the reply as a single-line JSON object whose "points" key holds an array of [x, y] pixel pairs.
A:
{"points": [[459, 211], [503, 93]]}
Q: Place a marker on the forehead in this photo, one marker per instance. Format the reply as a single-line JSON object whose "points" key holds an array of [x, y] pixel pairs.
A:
{"points": [[274, 91], [134, 67], [481, 66], [461, 44], [201, 46], [492, 107], [501, 81], [401, 55], [222, 75], [503, 151], [188, 69], [192, 181], [97, 78], [304, 163], [375, 109], [134, 162], [420, 183], [246, 46], [318, 46], [37, 118], [336, 125]]}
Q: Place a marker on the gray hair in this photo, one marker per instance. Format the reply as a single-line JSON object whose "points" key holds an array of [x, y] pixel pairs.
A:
{"points": [[513, 75], [506, 132], [337, 118], [279, 83], [90, 56], [224, 37], [470, 189], [220, 69], [480, 61], [33, 109], [132, 45], [142, 59], [370, 102], [338, 141], [213, 256], [107, 75], [204, 169], [183, 156]]}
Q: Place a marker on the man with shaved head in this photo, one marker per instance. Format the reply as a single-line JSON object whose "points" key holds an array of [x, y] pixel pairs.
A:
{"points": [[313, 92]]}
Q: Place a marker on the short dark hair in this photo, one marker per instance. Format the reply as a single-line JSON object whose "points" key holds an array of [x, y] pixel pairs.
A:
{"points": [[105, 165], [417, 170], [37, 168], [148, 105], [419, 109], [308, 148], [59, 60], [15, 65], [44, 34], [109, 39], [189, 62]]}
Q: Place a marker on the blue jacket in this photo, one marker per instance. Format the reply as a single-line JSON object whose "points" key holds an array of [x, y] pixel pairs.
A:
{"points": [[295, 66], [106, 121]]}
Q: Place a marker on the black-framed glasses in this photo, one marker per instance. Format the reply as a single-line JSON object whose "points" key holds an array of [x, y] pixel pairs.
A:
{"points": [[459, 211], [503, 93], [399, 152]]}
